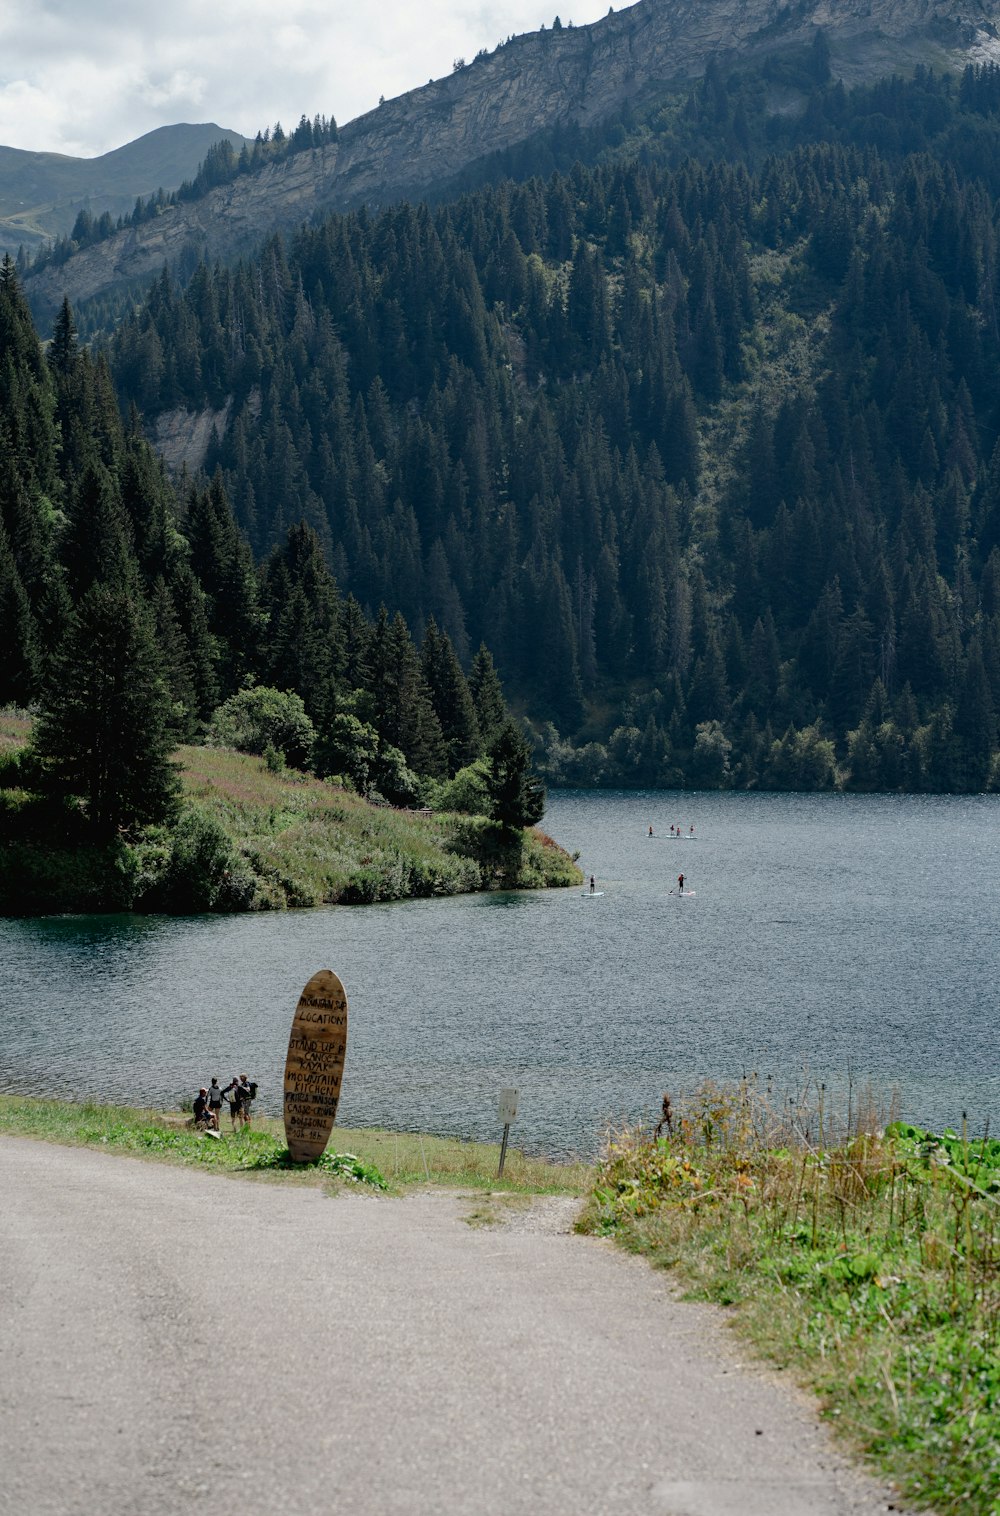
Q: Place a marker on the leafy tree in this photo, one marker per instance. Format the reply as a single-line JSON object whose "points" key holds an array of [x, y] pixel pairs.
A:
{"points": [[257, 718], [348, 746]]}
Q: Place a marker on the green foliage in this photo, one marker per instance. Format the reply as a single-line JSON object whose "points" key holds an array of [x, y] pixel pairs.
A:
{"points": [[467, 793], [376, 1158], [343, 1165], [203, 871], [694, 426], [516, 798], [102, 731], [350, 747], [251, 839], [866, 1258], [649, 428], [257, 718]]}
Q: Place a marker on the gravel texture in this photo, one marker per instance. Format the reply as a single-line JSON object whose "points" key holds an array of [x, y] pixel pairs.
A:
{"points": [[172, 1339]]}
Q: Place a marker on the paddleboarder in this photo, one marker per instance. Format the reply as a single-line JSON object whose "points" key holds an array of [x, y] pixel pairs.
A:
{"points": [[593, 884], [680, 884]]}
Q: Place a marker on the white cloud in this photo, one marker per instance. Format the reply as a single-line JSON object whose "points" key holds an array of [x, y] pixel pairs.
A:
{"points": [[85, 79]]}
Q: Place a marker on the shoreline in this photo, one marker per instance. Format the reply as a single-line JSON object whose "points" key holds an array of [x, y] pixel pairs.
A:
{"points": [[249, 840]]}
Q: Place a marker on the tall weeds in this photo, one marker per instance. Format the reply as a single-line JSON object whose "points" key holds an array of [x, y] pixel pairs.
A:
{"points": [[859, 1249]]}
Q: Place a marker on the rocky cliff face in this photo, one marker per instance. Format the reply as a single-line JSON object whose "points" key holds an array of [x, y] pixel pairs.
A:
{"points": [[535, 81]]}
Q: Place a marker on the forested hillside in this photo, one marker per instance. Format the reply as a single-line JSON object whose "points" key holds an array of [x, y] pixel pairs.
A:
{"points": [[705, 452], [134, 619]]}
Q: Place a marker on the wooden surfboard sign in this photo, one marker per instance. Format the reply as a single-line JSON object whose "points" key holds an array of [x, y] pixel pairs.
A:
{"points": [[314, 1067]]}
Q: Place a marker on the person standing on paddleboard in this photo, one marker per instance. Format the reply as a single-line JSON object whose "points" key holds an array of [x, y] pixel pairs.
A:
{"points": [[593, 884], [680, 884]]}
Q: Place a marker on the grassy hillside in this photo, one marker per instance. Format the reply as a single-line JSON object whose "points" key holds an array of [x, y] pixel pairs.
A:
{"points": [[310, 842], [251, 839]]}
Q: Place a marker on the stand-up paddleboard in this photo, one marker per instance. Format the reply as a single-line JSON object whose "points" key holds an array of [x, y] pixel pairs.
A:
{"points": [[592, 894], [314, 1067], [684, 894]]}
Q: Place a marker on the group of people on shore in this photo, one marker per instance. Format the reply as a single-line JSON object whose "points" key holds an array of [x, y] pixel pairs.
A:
{"points": [[240, 1092]]}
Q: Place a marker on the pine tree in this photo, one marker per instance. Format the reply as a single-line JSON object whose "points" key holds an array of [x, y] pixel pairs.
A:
{"points": [[103, 728], [487, 695], [517, 798], [19, 667], [450, 698]]}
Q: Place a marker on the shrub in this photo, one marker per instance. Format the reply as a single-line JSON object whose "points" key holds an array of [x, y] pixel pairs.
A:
{"points": [[203, 871], [257, 718], [465, 795]]}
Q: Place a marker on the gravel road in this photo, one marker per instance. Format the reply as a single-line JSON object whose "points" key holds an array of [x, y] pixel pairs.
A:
{"points": [[173, 1341]]}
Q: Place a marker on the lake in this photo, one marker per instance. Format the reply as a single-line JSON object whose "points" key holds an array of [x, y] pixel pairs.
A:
{"points": [[827, 936]]}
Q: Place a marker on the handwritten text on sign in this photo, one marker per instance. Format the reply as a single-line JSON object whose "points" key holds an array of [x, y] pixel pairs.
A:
{"points": [[314, 1067]]}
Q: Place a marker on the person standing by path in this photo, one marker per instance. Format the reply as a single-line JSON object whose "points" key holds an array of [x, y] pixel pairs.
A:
{"points": [[214, 1101], [234, 1095], [248, 1093]]}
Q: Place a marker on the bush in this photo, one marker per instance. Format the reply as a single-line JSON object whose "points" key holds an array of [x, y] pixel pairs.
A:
{"points": [[258, 718], [465, 795], [203, 871]]}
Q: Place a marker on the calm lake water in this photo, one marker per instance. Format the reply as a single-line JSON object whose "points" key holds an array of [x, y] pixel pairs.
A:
{"points": [[826, 934]]}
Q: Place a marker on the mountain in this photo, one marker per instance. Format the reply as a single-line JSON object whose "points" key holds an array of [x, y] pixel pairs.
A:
{"points": [[41, 194], [704, 448], [567, 74]]}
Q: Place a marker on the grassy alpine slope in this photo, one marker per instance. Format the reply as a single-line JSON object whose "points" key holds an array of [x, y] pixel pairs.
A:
{"points": [[252, 839], [866, 1259]]}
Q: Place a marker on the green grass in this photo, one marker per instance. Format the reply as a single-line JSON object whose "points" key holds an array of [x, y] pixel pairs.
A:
{"points": [[280, 840], [310, 842], [387, 1159], [866, 1260]]}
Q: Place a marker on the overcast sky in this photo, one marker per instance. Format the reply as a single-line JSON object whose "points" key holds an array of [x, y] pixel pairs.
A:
{"points": [[85, 76]]}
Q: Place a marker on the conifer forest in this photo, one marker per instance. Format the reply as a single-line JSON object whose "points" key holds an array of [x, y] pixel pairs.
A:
{"points": [[685, 429]]}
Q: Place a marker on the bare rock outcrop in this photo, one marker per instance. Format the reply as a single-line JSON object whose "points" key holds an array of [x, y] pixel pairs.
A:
{"points": [[535, 81], [182, 437]]}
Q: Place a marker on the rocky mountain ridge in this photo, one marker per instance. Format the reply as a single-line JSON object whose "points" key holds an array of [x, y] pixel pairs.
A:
{"points": [[41, 193], [535, 81]]}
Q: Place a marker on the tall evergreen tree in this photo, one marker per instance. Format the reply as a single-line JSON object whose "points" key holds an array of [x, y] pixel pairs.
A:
{"points": [[450, 698], [103, 730], [517, 798]]}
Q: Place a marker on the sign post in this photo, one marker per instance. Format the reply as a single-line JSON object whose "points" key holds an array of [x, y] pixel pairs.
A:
{"points": [[314, 1067], [507, 1112]]}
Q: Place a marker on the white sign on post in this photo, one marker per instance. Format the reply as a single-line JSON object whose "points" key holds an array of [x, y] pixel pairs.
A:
{"points": [[507, 1109]]}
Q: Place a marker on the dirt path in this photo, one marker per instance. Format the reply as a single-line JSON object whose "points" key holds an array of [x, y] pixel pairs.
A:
{"points": [[172, 1341]]}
